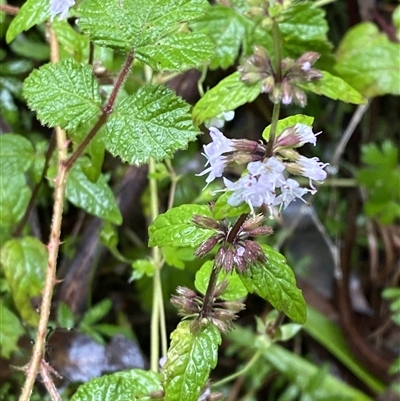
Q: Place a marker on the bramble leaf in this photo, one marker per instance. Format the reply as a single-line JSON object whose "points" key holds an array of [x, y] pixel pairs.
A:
{"points": [[94, 197], [229, 94], [10, 331], [288, 122], [369, 61], [233, 292], [127, 385], [154, 29], [190, 358], [16, 154], [304, 28], [175, 227], [31, 13], [14, 198], [64, 94], [334, 88], [154, 122], [274, 281], [24, 264], [228, 29]]}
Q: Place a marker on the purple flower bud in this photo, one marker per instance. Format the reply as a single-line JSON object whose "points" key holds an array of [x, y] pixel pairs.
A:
{"points": [[205, 222], [206, 247]]}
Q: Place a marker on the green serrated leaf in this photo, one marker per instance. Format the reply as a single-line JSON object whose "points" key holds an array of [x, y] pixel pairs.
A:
{"points": [[288, 122], [11, 330], [190, 358], [122, 386], [228, 29], [229, 94], [64, 94], [94, 197], [24, 264], [175, 227], [369, 61], [335, 88], [233, 292], [178, 52], [16, 154], [155, 29], [222, 209], [33, 12], [304, 28], [154, 122], [14, 198], [386, 157], [274, 281]]}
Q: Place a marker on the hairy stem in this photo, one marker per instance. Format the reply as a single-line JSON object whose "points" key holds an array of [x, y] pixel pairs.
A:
{"points": [[209, 296], [52, 246], [106, 111]]}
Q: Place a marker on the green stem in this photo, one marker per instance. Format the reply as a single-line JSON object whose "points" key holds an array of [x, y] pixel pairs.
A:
{"points": [[274, 125], [278, 77], [241, 372], [157, 315]]}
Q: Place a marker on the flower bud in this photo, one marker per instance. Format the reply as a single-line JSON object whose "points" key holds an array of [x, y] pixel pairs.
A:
{"points": [[268, 84], [306, 60], [233, 306], [261, 231], [220, 288], [253, 222], [254, 252], [299, 96], [186, 292], [286, 92], [206, 247], [205, 222]]}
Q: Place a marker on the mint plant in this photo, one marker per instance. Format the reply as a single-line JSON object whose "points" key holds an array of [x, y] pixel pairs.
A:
{"points": [[278, 48]]}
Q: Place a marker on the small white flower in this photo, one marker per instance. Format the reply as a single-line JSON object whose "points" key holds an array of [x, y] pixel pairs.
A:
{"points": [[272, 169], [214, 153], [306, 66], [250, 189], [60, 7], [220, 119], [289, 192], [312, 169], [305, 134]]}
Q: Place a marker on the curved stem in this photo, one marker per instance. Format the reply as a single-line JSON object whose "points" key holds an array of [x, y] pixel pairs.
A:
{"points": [[157, 315], [53, 246], [240, 372], [274, 125]]}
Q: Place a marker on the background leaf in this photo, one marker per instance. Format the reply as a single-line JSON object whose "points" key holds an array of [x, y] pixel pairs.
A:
{"points": [[10, 331], [94, 197], [64, 94], [229, 94], [274, 281], [16, 154], [153, 122], [32, 12], [368, 61], [334, 88], [24, 264], [228, 30], [222, 209], [190, 358], [175, 227], [233, 292], [14, 198]]}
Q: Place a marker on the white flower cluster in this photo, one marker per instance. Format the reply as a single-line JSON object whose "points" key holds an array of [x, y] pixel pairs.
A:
{"points": [[266, 181], [60, 7]]}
